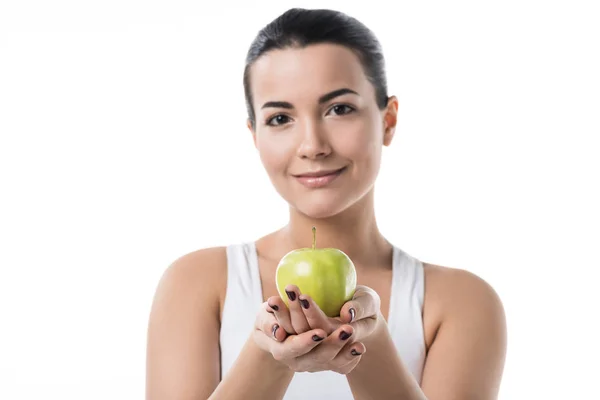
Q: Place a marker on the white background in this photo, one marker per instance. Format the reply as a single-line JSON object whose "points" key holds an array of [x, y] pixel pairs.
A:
{"points": [[123, 146]]}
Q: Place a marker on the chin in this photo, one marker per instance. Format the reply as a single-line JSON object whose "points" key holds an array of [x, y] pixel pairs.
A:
{"points": [[322, 203], [321, 208], [317, 213]]}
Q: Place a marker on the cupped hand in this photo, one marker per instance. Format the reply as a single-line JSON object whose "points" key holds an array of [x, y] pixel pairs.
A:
{"points": [[312, 350], [362, 313]]}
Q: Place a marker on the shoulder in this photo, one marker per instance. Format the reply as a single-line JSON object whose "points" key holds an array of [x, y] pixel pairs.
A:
{"points": [[200, 274], [199, 261], [183, 326], [203, 265], [458, 291], [467, 330], [454, 295]]}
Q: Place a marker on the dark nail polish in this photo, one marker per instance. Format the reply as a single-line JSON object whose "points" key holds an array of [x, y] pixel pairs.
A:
{"points": [[304, 303], [275, 327], [274, 307], [352, 314], [291, 295], [355, 353], [344, 335], [317, 338]]}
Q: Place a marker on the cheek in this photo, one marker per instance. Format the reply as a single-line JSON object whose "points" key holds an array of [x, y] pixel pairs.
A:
{"points": [[274, 155], [358, 143]]}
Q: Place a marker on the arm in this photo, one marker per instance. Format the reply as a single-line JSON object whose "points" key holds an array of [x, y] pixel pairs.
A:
{"points": [[183, 359], [381, 373], [246, 378], [465, 361]]}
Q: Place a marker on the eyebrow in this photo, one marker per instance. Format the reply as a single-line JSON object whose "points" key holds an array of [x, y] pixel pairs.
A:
{"points": [[323, 99]]}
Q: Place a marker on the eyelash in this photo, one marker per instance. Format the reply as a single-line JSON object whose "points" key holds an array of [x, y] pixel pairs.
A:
{"points": [[347, 107]]}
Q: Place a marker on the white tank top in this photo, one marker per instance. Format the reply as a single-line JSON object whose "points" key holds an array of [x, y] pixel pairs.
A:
{"points": [[244, 298]]}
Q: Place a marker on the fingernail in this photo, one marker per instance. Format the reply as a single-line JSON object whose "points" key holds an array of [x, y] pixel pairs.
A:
{"points": [[274, 307], [344, 335], [352, 314], [317, 338], [355, 353], [304, 303], [275, 327], [291, 295]]}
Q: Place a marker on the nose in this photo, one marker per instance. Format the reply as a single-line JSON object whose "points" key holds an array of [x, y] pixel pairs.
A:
{"points": [[314, 143]]}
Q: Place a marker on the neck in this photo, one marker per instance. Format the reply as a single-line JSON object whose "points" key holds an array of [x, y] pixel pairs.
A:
{"points": [[354, 231]]}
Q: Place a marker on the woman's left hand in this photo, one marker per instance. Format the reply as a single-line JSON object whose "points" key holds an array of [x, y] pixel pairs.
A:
{"points": [[362, 313]]}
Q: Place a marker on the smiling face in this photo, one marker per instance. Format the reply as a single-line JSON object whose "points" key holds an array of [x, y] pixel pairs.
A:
{"points": [[316, 114]]}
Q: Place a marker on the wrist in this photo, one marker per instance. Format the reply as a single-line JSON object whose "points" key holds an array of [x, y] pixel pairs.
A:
{"points": [[254, 375], [381, 328], [271, 366]]}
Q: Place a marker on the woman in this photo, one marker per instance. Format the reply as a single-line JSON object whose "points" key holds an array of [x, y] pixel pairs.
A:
{"points": [[319, 114]]}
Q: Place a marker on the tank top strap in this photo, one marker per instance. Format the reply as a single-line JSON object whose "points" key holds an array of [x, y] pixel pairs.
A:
{"points": [[243, 276], [243, 298], [405, 320]]}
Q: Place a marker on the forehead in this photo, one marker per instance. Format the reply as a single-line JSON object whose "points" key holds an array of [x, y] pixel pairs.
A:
{"points": [[306, 73]]}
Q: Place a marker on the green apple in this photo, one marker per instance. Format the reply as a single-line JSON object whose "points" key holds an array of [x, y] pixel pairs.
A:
{"points": [[327, 275]]}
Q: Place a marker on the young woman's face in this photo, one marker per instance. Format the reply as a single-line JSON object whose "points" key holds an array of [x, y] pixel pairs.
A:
{"points": [[316, 114]]}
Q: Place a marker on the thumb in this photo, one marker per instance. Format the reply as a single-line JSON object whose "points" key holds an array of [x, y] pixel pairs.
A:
{"points": [[365, 303]]}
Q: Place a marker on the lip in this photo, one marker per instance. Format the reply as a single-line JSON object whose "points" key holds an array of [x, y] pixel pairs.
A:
{"points": [[319, 178], [316, 174]]}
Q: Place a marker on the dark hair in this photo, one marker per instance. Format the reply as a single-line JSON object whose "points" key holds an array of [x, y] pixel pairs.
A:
{"points": [[300, 27]]}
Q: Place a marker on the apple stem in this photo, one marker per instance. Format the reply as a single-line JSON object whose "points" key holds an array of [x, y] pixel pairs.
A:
{"points": [[314, 230]]}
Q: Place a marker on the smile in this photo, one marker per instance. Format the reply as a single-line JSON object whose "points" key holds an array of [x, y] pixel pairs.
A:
{"points": [[319, 179]]}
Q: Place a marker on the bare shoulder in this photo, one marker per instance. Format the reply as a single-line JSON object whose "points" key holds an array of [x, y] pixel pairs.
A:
{"points": [[183, 327], [200, 273], [457, 286], [204, 266], [454, 293], [469, 333], [198, 261]]}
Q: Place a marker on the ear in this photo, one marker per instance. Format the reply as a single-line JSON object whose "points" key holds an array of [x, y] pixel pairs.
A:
{"points": [[252, 131], [390, 119]]}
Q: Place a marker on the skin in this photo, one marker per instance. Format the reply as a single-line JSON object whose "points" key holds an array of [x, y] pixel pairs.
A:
{"points": [[464, 321]]}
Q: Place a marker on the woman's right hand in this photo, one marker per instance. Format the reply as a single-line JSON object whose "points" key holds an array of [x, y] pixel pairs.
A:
{"points": [[311, 351]]}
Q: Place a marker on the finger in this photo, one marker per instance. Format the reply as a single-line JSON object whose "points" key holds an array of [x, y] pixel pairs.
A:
{"points": [[330, 348], [348, 358], [294, 345], [365, 327], [297, 316], [270, 326], [348, 354], [281, 312], [350, 365], [315, 317], [366, 303]]}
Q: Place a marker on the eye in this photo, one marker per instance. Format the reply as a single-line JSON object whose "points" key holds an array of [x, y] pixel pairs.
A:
{"points": [[278, 119], [341, 109]]}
